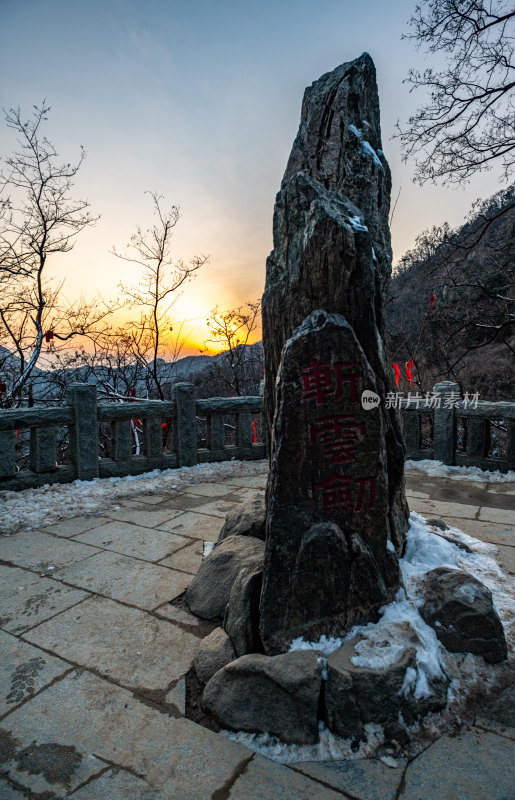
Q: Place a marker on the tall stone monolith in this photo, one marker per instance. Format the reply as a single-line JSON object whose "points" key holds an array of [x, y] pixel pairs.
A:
{"points": [[336, 509]]}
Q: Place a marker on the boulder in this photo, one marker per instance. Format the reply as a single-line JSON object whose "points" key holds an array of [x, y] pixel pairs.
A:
{"points": [[462, 613], [215, 651], [356, 694], [242, 616], [247, 519], [208, 593], [262, 694], [327, 564]]}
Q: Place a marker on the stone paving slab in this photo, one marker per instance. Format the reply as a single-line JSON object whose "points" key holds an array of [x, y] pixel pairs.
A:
{"points": [[71, 527], [219, 508], [504, 516], [178, 614], [501, 488], [175, 756], [129, 580], [250, 481], [187, 559], [486, 531], [8, 793], [468, 765], [366, 779], [147, 517], [263, 779], [506, 557], [148, 544], [440, 508], [117, 785], [24, 670], [210, 489], [43, 552], [197, 526], [26, 599], [177, 696], [127, 645], [418, 495]]}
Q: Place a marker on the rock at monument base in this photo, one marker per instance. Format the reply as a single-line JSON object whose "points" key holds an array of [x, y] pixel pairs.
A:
{"points": [[327, 564], [215, 652], [261, 694], [242, 617], [355, 695], [208, 593], [247, 519], [461, 611]]}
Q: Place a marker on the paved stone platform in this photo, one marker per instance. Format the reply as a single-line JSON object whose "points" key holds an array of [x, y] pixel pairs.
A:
{"points": [[94, 652]]}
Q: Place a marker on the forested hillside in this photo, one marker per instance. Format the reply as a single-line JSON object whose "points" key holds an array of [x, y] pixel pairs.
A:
{"points": [[451, 307]]}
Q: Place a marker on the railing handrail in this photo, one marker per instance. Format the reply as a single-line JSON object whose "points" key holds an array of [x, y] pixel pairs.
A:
{"points": [[82, 415]]}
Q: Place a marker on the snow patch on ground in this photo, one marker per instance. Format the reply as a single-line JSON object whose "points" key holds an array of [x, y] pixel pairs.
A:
{"points": [[436, 469], [400, 627], [46, 505]]}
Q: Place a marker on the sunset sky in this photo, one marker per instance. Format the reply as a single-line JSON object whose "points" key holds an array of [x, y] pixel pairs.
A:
{"points": [[200, 100]]}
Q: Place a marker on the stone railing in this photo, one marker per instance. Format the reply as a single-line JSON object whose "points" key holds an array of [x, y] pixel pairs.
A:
{"points": [[82, 416], [447, 414]]}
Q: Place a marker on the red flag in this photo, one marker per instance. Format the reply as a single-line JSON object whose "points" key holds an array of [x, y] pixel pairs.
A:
{"points": [[397, 373], [432, 299], [409, 367]]}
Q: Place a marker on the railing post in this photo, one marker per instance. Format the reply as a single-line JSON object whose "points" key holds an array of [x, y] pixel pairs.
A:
{"points": [[244, 432], [412, 431], [215, 432], [121, 437], [510, 448], [84, 431], [185, 424], [42, 449], [478, 437], [7, 454], [152, 437], [444, 428]]}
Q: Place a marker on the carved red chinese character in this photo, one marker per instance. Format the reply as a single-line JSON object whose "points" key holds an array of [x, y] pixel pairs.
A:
{"points": [[343, 377], [336, 493], [338, 436], [371, 492], [317, 381]]}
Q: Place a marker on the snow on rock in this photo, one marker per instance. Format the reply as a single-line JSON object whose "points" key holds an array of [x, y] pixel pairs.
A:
{"points": [[368, 150], [329, 748], [46, 505], [436, 469], [357, 223]]}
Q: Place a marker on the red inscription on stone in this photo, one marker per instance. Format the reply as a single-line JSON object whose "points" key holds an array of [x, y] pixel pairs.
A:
{"points": [[318, 382], [343, 377], [338, 493], [320, 385], [338, 436]]}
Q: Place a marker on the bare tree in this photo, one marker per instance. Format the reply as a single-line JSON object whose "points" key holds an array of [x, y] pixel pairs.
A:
{"points": [[155, 331], [468, 120], [470, 275], [38, 219], [239, 371]]}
